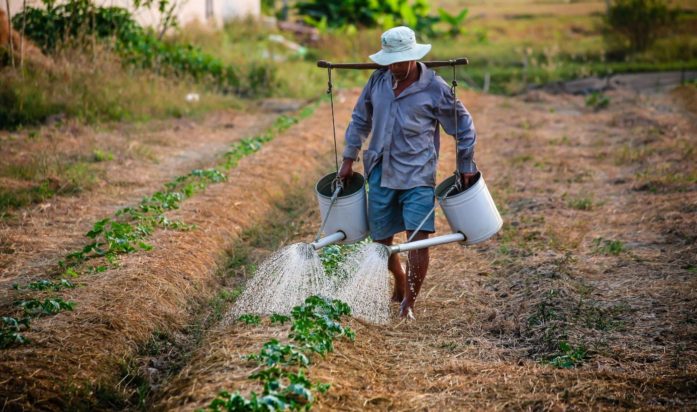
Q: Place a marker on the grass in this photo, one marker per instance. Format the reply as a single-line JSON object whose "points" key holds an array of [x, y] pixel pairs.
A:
{"points": [[515, 51], [95, 87]]}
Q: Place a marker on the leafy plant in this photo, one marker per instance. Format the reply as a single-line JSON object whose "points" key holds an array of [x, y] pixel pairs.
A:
{"points": [[45, 284], [80, 21], [276, 318], [368, 13], [454, 20], [281, 373], [639, 21], [569, 356], [49, 306], [10, 329], [250, 319]]}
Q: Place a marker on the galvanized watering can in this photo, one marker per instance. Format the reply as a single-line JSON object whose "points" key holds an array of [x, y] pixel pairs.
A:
{"points": [[343, 210], [471, 213]]}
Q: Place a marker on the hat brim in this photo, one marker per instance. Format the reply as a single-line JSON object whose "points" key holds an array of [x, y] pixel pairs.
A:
{"points": [[385, 59]]}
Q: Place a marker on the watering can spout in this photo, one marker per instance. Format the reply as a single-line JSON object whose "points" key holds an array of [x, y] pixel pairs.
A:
{"points": [[328, 240], [421, 244]]}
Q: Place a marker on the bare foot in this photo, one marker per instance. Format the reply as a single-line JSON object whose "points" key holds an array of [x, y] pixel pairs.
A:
{"points": [[400, 282], [406, 311]]}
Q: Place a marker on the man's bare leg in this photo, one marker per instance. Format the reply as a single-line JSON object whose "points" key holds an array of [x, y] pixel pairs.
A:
{"points": [[417, 266], [400, 278]]}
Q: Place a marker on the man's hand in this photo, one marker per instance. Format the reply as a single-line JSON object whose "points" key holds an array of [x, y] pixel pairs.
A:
{"points": [[467, 179], [346, 170]]}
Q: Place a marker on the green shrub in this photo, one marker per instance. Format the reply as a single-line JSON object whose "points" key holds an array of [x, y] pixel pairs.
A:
{"points": [[368, 13], [639, 21], [78, 21]]}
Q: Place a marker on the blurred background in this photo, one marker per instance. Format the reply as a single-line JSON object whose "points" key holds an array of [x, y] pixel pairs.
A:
{"points": [[124, 60]]}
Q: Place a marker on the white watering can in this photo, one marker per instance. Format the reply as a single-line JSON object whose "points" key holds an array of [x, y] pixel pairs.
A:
{"points": [[471, 213]]}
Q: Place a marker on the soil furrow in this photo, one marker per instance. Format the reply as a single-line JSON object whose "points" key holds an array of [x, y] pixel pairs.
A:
{"points": [[78, 354]]}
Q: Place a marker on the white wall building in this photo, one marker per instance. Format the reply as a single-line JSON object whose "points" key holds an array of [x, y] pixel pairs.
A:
{"points": [[213, 12]]}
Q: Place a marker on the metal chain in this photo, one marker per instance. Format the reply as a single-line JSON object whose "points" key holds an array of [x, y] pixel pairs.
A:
{"points": [[331, 102], [453, 90]]}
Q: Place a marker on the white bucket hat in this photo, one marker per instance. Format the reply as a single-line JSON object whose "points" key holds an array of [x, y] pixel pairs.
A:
{"points": [[399, 45]]}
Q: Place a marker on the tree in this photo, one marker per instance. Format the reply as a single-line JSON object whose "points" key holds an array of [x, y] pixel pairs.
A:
{"points": [[639, 21]]}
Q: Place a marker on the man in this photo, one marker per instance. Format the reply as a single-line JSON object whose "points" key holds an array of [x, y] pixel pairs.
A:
{"points": [[402, 106]]}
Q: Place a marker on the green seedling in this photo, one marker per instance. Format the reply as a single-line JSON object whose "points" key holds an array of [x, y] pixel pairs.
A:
{"points": [[281, 319], [10, 331], [45, 284], [250, 319], [281, 366], [569, 356], [49, 306], [274, 353]]}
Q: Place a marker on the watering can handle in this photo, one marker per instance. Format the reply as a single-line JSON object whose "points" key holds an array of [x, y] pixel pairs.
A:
{"points": [[335, 195]]}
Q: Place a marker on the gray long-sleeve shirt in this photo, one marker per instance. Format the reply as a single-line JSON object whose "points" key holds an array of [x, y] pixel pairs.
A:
{"points": [[405, 131]]}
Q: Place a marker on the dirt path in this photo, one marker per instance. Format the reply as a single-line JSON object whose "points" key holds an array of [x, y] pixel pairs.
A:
{"points": [[32, 243], [594, 270]]}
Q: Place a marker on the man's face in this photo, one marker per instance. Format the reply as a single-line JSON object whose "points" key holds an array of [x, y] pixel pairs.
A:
{"points": [[400, 70]]}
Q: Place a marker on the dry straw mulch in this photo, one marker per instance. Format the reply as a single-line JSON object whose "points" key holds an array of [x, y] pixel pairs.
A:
{"points": [[492, 318], [75, 354]]}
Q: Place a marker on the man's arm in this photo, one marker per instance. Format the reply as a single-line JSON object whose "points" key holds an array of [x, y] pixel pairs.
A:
{"points": [[358, 129], [465, 135]]}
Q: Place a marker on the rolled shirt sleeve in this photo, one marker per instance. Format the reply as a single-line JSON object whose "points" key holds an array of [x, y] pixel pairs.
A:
{"points": [[361, 122], [466, 135]]}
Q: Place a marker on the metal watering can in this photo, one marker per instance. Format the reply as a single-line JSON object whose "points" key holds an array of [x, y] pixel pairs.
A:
{"points": [[343, 209], [471, 213]]}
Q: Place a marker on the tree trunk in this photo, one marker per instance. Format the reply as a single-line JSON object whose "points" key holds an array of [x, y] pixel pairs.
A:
{"points": [[9, 31]]}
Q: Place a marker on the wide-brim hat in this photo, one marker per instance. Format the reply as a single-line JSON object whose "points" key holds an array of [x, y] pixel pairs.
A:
{"points": [[399, 45]]}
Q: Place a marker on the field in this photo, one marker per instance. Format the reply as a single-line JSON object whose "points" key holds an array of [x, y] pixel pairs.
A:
{"points": [[586, 299]]}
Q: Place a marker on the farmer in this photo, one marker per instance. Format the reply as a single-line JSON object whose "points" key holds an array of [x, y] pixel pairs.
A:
{"points": [[402, 106]]}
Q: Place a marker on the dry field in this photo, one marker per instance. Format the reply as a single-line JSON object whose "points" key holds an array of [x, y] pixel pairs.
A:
{"points": [[595, 269]]}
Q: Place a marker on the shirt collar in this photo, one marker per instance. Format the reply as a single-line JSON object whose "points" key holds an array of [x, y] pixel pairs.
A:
{"points": [[424, 80]]}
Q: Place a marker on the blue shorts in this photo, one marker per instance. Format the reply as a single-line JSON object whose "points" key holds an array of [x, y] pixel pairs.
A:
{"points": [[391, 211]]}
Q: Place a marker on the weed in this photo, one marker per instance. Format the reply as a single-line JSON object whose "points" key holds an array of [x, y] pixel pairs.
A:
{"points": [[597, 101], [581, 203], [608, 247], [102, 156], [568, 356], [250, 319]]}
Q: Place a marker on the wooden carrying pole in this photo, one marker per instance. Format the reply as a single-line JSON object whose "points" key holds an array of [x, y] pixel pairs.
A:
{"points": [[372, 66]]}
